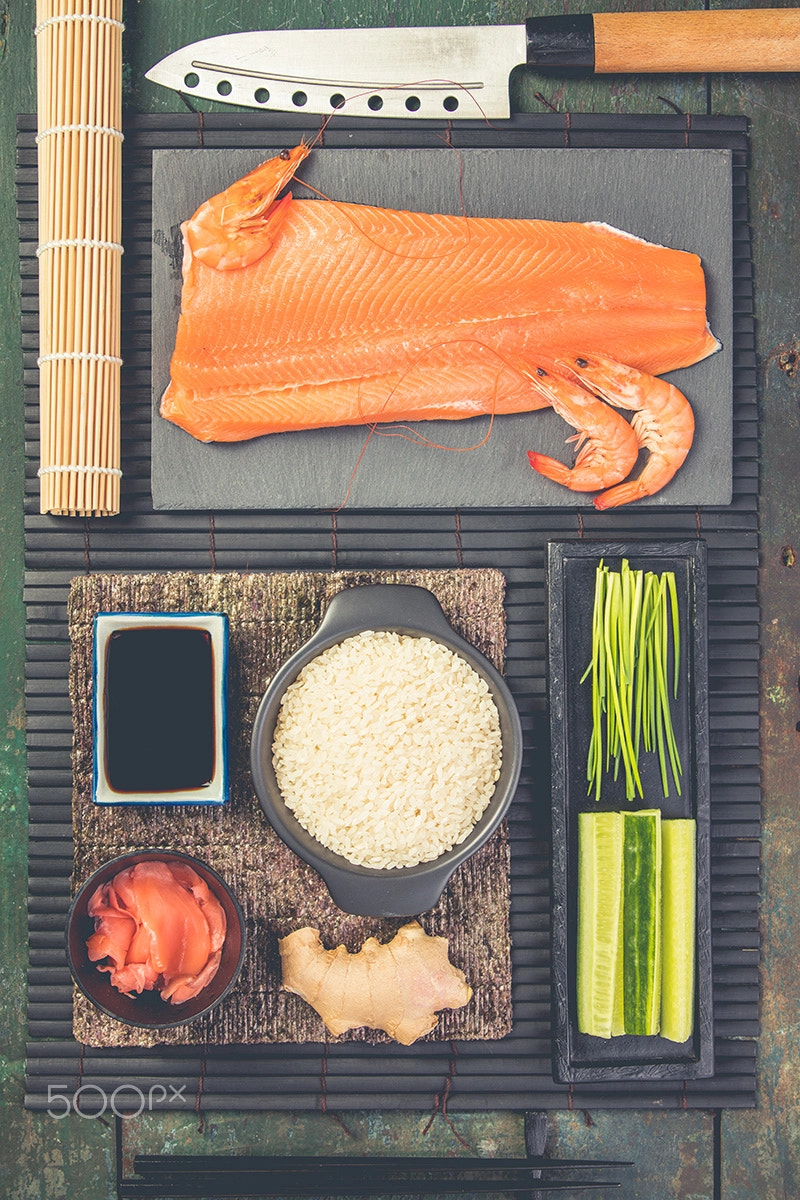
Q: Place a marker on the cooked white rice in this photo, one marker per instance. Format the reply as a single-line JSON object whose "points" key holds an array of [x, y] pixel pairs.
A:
{"points": [[387, 748]]}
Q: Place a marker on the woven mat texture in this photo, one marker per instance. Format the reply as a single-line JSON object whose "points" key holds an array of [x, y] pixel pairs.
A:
{"points": [[271, 615]]}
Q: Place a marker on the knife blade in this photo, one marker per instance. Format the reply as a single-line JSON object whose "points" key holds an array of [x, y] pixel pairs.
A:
{"points": [[463, 71]]}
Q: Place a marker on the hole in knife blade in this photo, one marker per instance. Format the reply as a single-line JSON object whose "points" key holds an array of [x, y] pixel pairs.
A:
{"points": [[191, 80], [224, 88], [337, 100], [375, 103], [299, 99], [261, 95], [413, 103], [450, 103]]}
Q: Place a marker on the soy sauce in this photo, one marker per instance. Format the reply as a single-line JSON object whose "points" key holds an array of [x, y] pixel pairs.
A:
{"points": [[159, 705]]}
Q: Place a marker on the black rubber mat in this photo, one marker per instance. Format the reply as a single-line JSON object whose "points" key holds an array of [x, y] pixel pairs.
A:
{"points": [[516, 1072]]}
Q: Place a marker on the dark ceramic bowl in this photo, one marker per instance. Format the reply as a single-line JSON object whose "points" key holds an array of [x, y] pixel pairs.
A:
{"points": [[402, 891], [148, 1010]]}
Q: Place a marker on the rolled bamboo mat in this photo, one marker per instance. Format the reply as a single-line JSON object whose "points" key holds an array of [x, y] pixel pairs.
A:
{"points": [[79, 84]]}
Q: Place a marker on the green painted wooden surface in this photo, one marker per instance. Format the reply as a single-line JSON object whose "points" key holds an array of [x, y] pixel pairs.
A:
{"points": [[676, 1153]]}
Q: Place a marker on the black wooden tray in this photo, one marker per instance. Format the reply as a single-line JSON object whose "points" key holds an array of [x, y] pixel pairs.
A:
{"points": [[571, 582]]}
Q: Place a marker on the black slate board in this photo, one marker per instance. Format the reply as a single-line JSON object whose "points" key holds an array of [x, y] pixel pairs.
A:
{"points": [[673, 197], [515, 1073], [571, 581]]}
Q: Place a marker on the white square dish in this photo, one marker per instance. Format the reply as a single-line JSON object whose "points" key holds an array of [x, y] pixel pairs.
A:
{"points": [[160, 708]]}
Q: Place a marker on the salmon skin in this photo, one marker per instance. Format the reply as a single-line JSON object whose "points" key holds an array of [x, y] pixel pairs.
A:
{"points": [[304, 314]]}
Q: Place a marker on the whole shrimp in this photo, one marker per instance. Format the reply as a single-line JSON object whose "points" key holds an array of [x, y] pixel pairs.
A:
{"points": [[237, 227], [663, 422], [606, 445]]}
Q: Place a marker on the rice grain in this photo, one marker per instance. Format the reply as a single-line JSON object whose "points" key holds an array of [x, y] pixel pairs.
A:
{"points": [[387, 748]]}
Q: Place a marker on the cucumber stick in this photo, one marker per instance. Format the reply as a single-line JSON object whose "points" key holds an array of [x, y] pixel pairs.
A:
{"points": [[641, 921], [599, 921], [636, 924], [678, 923], [618, 1014]]}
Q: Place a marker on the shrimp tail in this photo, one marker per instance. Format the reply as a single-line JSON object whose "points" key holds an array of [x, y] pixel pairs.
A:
{"points": [[559, 472], [623, 493]]}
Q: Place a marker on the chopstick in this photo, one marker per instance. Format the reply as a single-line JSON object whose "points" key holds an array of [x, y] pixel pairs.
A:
{"points": [[267, 1176], [291, 1164], [234, 1188]]}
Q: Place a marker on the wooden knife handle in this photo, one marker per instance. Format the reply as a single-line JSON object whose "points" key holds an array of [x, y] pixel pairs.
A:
{"points": [[753, 39]]}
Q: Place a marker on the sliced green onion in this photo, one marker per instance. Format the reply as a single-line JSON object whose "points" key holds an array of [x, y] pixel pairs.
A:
{"points": [[676, 630], [635, 630]]}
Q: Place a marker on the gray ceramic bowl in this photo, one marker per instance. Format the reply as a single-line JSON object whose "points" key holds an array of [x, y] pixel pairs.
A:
{"points": [[148, 1010], [403, 891]]}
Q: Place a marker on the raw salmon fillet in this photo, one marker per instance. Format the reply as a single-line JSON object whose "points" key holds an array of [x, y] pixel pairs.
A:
{"points": [[355, 314]]}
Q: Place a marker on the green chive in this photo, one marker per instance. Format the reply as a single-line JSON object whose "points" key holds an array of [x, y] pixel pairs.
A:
{"points": [[635, 628]]}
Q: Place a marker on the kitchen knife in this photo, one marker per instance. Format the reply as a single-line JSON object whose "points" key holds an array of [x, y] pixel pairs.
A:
{"points": [[464, 71]]}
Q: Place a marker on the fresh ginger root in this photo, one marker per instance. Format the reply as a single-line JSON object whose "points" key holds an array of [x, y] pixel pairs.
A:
{"points": [[397, 987]]}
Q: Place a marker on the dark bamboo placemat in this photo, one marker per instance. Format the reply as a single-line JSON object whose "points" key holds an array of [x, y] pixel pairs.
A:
{"points": [[515, 1071], [271, 615]]}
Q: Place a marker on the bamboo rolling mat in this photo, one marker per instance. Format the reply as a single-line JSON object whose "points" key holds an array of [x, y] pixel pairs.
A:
{"points": [[79, 84], [270, 617]]}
